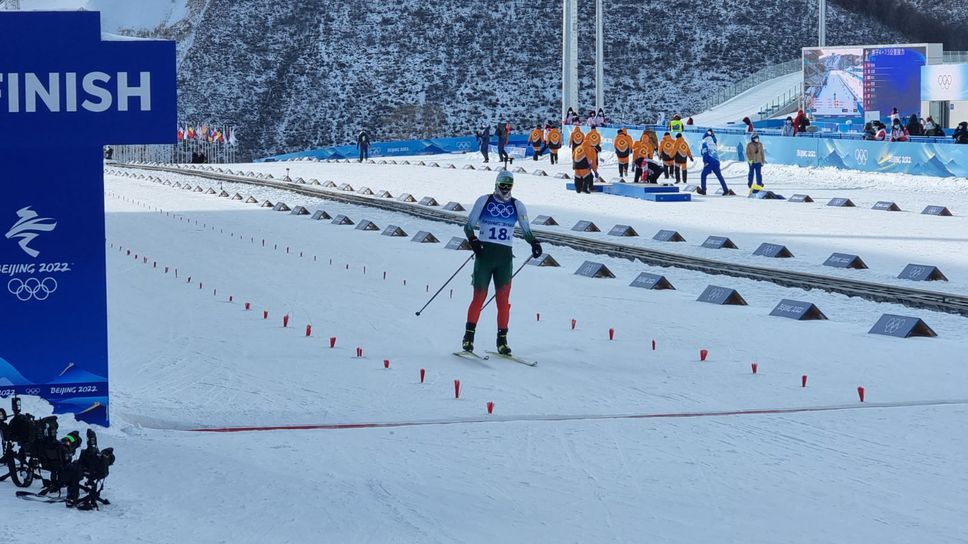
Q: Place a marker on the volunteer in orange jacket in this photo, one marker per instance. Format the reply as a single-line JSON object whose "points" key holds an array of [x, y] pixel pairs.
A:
{"points": [[595, 139], [582, 165], [536, 139], [554, 143], [667, 152], [682, 154], [577, 137], [623, 148]]}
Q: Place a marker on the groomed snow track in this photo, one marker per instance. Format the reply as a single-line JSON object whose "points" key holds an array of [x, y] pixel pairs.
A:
{"points": [[913, 298]]}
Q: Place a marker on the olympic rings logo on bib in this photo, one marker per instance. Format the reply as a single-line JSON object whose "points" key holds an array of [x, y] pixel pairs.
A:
{"points": [[496, 209]]}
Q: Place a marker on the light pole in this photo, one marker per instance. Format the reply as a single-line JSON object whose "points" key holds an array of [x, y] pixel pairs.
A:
{"points": [[569, 56], [822, 23], [599, 57]]}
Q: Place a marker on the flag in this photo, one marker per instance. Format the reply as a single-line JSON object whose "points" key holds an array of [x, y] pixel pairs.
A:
{"points": [[181, 134], [232, 132], [191, 132]]}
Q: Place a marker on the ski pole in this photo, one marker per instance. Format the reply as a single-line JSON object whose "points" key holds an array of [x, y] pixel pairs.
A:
{"points": [[526, 261], [445, 284]]}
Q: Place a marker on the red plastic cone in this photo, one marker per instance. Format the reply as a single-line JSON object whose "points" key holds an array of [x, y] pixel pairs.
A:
{"points": [[754, 366], [860, 393], [285, 320], [386, 363], [703, 353], [653, 345], [265, 314], [611, 334], [803, 380], [573, 323], [423, 374], [309, 330], [537, 316], [490, 407], [248, 306], [456, 389], [332, 342]]}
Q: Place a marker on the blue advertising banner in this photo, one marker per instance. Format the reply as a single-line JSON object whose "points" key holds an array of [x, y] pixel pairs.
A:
{"points": [[64, 93], [925, 159], [517, 145]]}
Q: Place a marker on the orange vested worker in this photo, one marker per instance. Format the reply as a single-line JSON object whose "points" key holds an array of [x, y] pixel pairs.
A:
{"points": [[667, 153], [577, 137], [582, 166], [536, 139], [595, 139], [554, 144], [592, 151], [623, 148], [681, 155]]}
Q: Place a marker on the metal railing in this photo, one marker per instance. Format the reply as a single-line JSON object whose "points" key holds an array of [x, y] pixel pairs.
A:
{"points": [[954, 57], [752, 80], [781, 103]]}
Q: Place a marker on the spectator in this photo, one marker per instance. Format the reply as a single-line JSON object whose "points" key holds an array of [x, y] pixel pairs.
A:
{"points": [[894, 115], [571, 117], [800, 123], [363, 145], [675, 125], [932, 129], [554, 144], [914, 126], [898, 132], [869, 131], [755, 156], [749, 124], [592, 119], [108, 153], [502, 133], [881, 134], [536, 139], [710, 162], [484, 140], [961, 133], [682, 153], [788, 128], [661, 120], [602, 120]]}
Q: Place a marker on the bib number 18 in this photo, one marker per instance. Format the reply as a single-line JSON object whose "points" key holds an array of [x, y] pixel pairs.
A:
{"points": [[498, 234]]}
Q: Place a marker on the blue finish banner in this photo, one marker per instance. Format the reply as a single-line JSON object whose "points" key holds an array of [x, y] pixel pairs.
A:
{"points": [[64, 93]]}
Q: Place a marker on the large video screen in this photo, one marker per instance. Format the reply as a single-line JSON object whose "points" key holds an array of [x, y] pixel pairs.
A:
{"points": [[846, 82]]}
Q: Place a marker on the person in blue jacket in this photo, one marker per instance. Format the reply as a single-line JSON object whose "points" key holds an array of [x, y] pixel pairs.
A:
{"points": [[710, 160]]}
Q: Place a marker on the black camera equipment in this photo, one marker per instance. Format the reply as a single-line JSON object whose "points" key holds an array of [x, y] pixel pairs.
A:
{"points": [[92, 467], [4, 444]]}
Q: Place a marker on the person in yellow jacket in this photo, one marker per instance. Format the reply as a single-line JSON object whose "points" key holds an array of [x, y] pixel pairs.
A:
{"points": [[623, 144], [536, 139], [595, 139], [577, 137], [553, 140], [667, 153], [682, 154], [582, 165], [675, 125]]}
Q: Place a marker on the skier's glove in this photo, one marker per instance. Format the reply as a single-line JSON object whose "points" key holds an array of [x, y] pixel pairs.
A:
{"points": [[477, 246], [535, 249]]}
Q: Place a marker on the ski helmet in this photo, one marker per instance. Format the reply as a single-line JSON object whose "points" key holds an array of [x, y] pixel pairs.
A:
{"points": [[504, 179]]}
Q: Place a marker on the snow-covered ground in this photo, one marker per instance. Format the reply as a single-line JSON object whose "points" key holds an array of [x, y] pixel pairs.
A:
{"points": [[604, 441]]}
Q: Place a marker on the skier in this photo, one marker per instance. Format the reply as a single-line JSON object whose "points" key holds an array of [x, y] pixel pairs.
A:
{"points": [[536, 139], [710, 160], [363, 144], [623, 148], [554, 144], [495, 215], [484, 140]]}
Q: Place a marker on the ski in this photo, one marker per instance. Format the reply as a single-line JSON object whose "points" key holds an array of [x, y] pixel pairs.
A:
{"points": [[471, 356], [28, 496], [513, 358]]}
